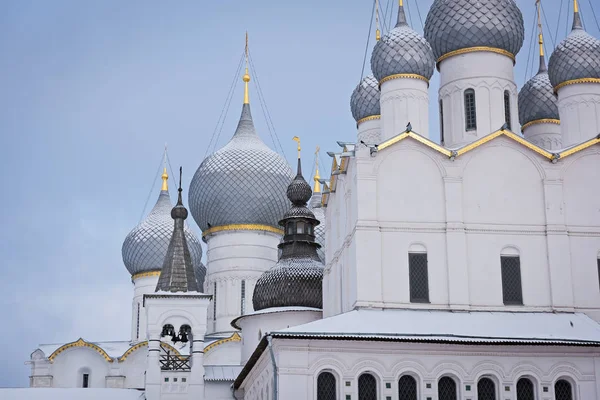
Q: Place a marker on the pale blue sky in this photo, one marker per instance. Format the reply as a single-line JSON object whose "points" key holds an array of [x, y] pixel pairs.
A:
{"points": [[91, 90]]}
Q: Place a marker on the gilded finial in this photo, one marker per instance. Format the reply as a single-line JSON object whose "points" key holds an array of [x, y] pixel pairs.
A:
{"points": [[317, 186], [246, 77], [297, 140], [576, 6], [541, 35], [401, 3], [165, 178], [377, 31]]}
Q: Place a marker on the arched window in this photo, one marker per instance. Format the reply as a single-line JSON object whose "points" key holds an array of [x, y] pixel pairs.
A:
{"points": [[137, 327], [486, 389], [563, 390], [214, 301], [85, 381], [507, 109], [470, 110], [442, 122], [512, 293], [407, 388], [525, 389], [326, 386], [367, 387], [243, 298], [446, 389], [418, 277]]}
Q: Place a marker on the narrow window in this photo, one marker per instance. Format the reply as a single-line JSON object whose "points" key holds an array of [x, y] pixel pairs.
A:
{"points": [[243, 305], [300, 227], [214, 301], [407, 388], [367, 387], [470, 111], [418, 279], [511, 280], [598, 261], [525, 389], [326, 386], [507, 109], [442, 122], [137, 328], [486, 389], [86, 381], [446, 388], [563, 390]]}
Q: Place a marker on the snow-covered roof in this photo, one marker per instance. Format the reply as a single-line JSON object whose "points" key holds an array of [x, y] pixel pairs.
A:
{"points": [[455, 327], [221, 372], [70, 394], [273, 310]]}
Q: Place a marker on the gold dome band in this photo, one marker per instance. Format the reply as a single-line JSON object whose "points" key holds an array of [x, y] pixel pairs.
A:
{"points": [[369, 118], [242, 227], [145, 274], [541, 121], [404, 76], [477, 49], [575, 82]]}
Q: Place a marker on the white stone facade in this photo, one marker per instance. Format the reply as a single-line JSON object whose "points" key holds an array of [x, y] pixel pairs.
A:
{"points": [[579, 110]]}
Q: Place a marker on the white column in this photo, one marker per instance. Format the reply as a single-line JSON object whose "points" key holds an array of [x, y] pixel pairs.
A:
{"points": [[579, 111], [545, 135], [141, 286], [153, 375], [196, 381], [369, 131], [404, 100]]}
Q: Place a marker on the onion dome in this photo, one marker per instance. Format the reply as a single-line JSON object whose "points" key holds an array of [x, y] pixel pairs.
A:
{"points": [[402, 51], [177, 274], [364, 102], [576, 58], [466, 24], [145, 247], [297, 278], [243, 183]]}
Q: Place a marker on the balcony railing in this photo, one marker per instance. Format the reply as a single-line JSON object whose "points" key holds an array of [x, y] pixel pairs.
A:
{"points": [[170, 362]]}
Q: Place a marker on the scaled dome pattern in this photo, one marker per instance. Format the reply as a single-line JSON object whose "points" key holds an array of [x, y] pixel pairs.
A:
{"points": [[537, 100], [576, 57], [145, 247], [365, 99], [242, 183], [460, 24], [402, 51]]}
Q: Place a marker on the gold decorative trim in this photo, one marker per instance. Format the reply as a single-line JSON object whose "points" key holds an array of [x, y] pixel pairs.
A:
{"points": [[418, 138], [144, 344], [477, 49], [509, 134], [80, 343], [365, 119], [404, 76], [392, 141], [233, 338], [145, 274], [575, 82], [541, 121], [242, 227], [580, 147]]}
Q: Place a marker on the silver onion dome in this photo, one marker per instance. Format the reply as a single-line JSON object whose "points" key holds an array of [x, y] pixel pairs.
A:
{"points": [[461, 24], [576, 57], [365, 99], [402, 51], [145, 247], [242, 183], [536, 98]]}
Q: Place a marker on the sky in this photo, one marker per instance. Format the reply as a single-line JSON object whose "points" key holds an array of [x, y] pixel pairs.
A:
{"points": [[90, 92]]}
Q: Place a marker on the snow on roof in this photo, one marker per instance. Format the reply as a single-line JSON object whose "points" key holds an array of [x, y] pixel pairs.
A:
{"points": [[457, 327], [70, 394], [113, 349], [221, 372], [272, 310]]}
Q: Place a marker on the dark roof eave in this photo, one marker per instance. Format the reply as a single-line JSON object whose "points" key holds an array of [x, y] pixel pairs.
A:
{"points": [[262, 345]]}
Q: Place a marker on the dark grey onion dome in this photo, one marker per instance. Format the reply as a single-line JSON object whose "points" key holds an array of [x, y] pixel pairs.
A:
{"points": [[365, 99], [145, 247], [297, 278], [402, 51], [576, 57], [243, 183], [460, 24], [536, 98]]}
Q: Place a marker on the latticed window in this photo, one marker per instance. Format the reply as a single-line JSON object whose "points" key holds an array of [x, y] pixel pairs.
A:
{"points": [[243, 301], [507, 109], [442, 122], [418, 277], [214, 301], [486, 389], [511, 280], [407, 388], [137, 328], [326, 386], [525, 389], [446, 389], [367, 387], [470, 110], [563, 390]]}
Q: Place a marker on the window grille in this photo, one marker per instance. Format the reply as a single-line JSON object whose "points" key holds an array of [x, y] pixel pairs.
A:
{"points": [[507, 109], [214, 301], [418, 277], [367, 387], [243, 302], [326, 386], [563, 390], [470, 110], [446, 388], [486, 389], [407, 388], [137, 328], [86, 381], [511, 280], [525, 389], [442, 122]]}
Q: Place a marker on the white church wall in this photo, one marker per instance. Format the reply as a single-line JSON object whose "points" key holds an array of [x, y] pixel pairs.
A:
{"points": [[579, 110], [134, 368], [69, 366], [141, 286], [218, 391], [224, 354]]}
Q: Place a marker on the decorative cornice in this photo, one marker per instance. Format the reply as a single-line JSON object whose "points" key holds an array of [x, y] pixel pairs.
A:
{"points": [[369, 118], [145, 275], [416, 137], [242, 227], [80, 343], [575, 82], [145, 344], [477, 49], [509, 134], [540, 121], [233, 338], [404, 76], [580, 147]]}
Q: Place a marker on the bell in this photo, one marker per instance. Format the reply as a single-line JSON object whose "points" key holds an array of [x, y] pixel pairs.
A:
{"points": [[175, 338], [184, 337]]}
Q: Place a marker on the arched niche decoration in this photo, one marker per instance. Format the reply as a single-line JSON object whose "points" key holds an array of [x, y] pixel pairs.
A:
{"points": [[80, 343]]}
